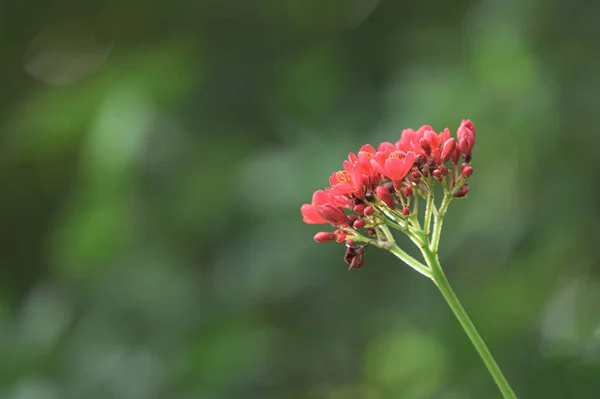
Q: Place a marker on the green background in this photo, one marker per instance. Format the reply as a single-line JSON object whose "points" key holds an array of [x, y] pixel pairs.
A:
{"points": [[155, 155]]}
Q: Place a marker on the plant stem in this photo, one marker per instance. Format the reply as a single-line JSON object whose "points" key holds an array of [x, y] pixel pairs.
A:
{"points": [[442, 283], [406, 258]]}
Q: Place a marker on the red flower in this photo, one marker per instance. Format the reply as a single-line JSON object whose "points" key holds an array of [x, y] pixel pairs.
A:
{"points": [[393, 164], [309, 211]]}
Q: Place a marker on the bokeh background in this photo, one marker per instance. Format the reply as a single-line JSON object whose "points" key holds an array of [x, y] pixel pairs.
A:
{"points": [[155, 154]]}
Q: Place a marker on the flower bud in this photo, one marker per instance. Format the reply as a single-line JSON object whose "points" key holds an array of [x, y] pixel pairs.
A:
{"points": [[466, 171], [426, 146], [466, 137], [385, 196], [436, 173], [444, 170], [432, 165], [360, 208], [333, 214], [407, 191], [349, 243], [461, 192], [359, 224], [341, 237], [448, 149], [455, 156], [369, 197], [419, 160], [406, 211], [325, 236], [369, 210], [416, 176]]}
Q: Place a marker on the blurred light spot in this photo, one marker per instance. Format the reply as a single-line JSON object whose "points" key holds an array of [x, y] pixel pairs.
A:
{"points": [[570, 323], [33, 389], [409, 363], [58, 56], [119, 135], [42, 321]]}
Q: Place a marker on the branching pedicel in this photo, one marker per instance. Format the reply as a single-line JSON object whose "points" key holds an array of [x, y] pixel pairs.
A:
{"points": [[379, 190]]}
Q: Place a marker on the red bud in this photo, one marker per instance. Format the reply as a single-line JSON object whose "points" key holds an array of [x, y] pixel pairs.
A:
{"points": [[426, 146], [385, 196], [447, 149], [360, 208], [466, 137], [341, 237], [444, 170], [436, 173], [369, 210], [416, 176], [467, 171], [325, 236], [406, 211], [333, 214], [455, 156], [407, 191], [359, 224]]}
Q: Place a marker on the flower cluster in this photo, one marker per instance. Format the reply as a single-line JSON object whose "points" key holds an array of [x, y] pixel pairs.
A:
{"points": [[379, 187]]}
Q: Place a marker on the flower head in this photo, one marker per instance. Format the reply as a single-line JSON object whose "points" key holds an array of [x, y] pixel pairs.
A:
{"points": [[382, 186]]}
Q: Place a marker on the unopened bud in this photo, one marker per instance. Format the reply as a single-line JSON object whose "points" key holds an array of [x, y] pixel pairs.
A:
{"points": [[325, 236], [369, 197], [444, 170], [406, 211], [416, 176], [360, 208], [333, 214], [448, 149], [407, 191], [426, 146], [467, 171], [349, 243], [455, 156], [359, 224], [436, 173], [385, 196], [461, 192], [341, 237], [466, 137], [432, 165], [419, 160], [369, 210]]}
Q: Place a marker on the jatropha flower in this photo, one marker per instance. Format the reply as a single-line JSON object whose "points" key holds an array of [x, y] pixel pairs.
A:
{"points": [[379, 189]]}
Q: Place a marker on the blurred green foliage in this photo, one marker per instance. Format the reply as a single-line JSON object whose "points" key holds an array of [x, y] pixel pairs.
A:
{"points": [[154, 157]]}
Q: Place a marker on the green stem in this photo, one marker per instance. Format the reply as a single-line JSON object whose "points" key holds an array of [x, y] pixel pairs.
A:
{"points": [[428, 212], [442, 283], [437, 224], [406, 258]]}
